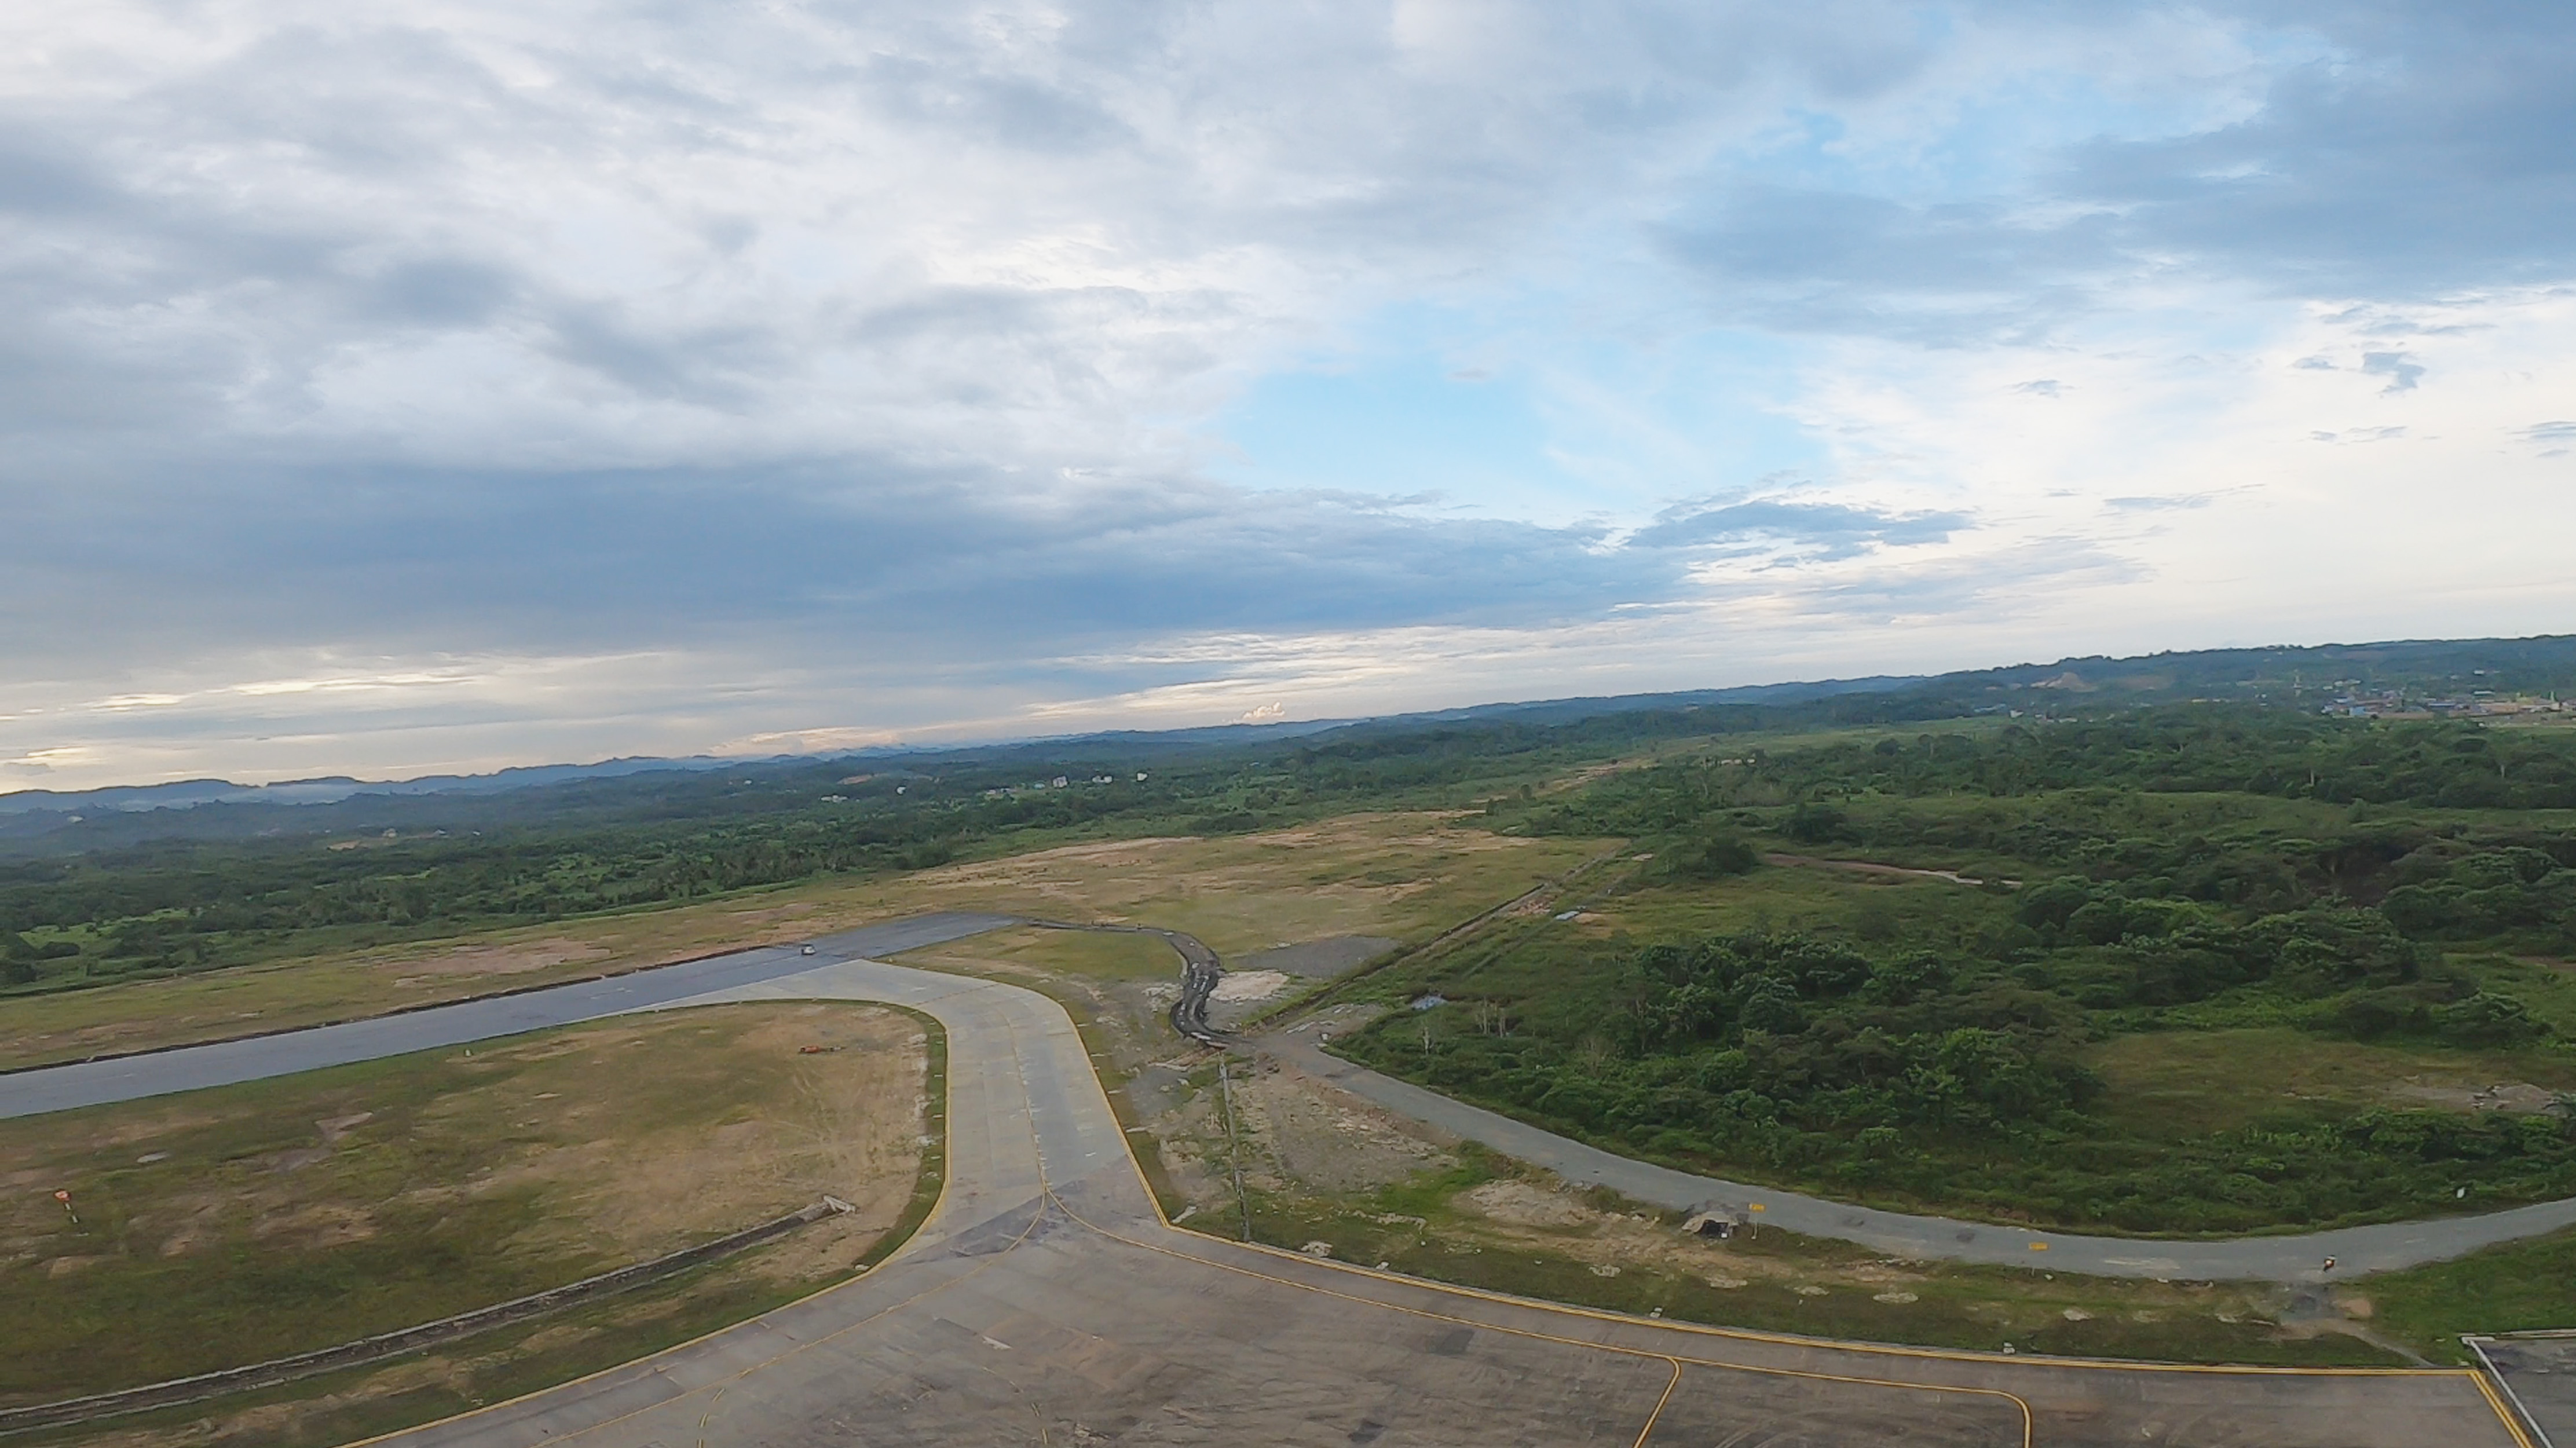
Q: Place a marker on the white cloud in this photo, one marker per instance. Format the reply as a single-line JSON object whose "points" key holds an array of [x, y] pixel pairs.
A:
{"points": [[476, 384]]}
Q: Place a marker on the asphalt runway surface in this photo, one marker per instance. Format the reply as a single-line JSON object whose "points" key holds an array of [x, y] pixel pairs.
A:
{"points": [[221, 1063]]}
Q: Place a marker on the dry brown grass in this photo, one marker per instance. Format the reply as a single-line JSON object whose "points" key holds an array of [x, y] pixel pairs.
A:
{"points": [[246, 1222]]}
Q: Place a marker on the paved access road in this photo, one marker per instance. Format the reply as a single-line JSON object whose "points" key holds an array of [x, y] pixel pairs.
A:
{"points": [[2357, 1250], [2273, 1259], [1046, 1301], [254, 1058]]}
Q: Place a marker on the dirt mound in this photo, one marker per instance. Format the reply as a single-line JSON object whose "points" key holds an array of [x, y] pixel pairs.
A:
{"points": [[1249, 985]]}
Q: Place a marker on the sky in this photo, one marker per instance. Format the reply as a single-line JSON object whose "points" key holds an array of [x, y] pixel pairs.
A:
{"points": [[390, 390]]}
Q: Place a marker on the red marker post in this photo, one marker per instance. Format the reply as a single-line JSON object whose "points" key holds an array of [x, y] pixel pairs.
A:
{"points": [[66, 1199]]}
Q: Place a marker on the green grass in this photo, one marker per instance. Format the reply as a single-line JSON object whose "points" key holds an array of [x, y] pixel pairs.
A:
{"points": [[1874, 911], [2517, 1287], [2175, 1085], [2546, 984]]}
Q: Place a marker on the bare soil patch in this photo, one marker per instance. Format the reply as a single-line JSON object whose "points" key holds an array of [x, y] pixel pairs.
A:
{"points": [[1526, 1204], [504, 959]]}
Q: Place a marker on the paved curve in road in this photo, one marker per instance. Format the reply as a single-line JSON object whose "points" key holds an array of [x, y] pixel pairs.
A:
{"points": [[2299, 1258], [1046, 1300]]}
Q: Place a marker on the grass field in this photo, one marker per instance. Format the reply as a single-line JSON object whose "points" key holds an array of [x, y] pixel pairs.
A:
{"points": [[1402, 875], [1878, 911], [246, 1222], [1087, 955], [2172, 1085], [1405, 876], [355, 1403], [2514, 1288]]}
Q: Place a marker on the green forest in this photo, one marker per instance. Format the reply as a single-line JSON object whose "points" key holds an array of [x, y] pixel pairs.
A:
{"points": [[2296, 884]]}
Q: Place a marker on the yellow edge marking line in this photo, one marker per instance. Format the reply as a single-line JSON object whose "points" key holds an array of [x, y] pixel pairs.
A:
{"points": [[1657, 1416], [1746, 1334], [947, 1176], [2027, 1421], [1137, 1165], [2512, 1421]]}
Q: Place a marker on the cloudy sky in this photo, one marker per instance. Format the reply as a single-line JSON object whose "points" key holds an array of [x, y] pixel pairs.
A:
{"points": [[449, 385]]}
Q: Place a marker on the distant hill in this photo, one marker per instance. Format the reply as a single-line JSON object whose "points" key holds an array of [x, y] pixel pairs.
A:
{"points": [[191, 793], [48, 821]]}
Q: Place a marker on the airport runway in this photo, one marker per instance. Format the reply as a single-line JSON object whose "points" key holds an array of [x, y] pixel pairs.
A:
{"points": [[255, 1058], [1046, 1302]]}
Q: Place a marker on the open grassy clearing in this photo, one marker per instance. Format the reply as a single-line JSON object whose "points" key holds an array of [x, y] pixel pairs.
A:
{"points": [[1403, 875], [2518, 1287], [1407, 876], [246, 1222], [1879, 911], [2544, 983], [282, 995], [1038, 954], [2173, 1085]]}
